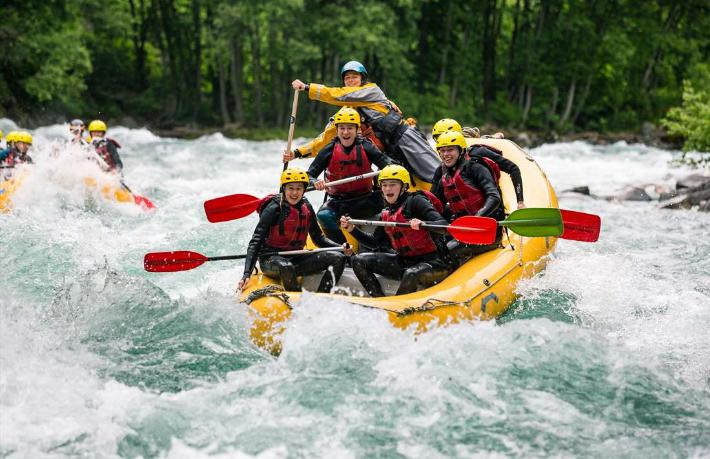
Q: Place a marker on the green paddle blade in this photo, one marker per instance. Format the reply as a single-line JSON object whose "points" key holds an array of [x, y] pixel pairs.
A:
{"points": [[535, 222]]}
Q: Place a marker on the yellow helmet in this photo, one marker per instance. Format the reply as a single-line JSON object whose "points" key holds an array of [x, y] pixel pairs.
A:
{"points": [[0, 135], [294, 175], [23, 136], [10, 137], [97, 125], [395, 172], [347, 115], [451, 138], [445, 125]]}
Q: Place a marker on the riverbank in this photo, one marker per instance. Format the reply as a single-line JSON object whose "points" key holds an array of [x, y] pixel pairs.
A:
{"points": [[649, 134]]}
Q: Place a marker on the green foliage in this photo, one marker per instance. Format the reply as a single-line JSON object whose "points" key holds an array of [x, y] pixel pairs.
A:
{"points": [[551, 65], [692, 120]]}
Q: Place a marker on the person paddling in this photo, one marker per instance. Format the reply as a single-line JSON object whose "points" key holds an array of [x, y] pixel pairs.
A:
{"points": [[466, 187], [401, 141], [106, 147], [477, 152], [18, 144], [284, 224], [419, 259], [346, 156]]}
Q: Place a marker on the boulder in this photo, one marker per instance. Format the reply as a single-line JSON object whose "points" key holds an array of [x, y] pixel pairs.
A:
{"points": [[579, 189], [692, 181], [631, 193]]}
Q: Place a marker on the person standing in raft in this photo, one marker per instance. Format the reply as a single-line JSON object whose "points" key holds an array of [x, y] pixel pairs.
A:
{"points": [[347, 156], [401, 141], [419, 259], [285, 225], [106, 147], [477, 153], [467, 188], [18, 143]]}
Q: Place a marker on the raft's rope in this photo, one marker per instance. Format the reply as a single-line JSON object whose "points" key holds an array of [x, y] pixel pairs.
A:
{"points": [[269, 290]]}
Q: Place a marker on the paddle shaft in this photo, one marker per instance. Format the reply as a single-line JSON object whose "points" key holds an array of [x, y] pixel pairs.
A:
{"points": [[400, 224], [348, 180], [285, 252], [292, 124]]}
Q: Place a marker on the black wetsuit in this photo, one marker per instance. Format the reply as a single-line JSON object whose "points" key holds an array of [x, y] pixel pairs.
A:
{"points": [[476, 174], [505, 165], [289, 268], [107, 149], [414, 272], [357, 206]]}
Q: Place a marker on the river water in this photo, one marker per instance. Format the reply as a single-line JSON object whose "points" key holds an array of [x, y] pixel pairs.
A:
{"points": [[606, 353]]}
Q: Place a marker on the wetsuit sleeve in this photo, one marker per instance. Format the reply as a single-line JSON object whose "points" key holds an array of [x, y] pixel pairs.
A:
{"points": [[316, 233], [268, 218], [4, 154], [421, 208], [377, 239], [369, 95], [479, 176], [376, 156], [113, 151], [321, 162], [312, 147], [436, 188], [507, 166]]}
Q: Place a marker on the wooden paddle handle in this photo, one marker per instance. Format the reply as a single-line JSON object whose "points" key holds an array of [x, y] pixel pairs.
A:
{"points": [[292, 123]]}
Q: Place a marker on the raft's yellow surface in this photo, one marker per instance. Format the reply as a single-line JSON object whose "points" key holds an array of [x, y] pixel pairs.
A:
{"points": [[110, 191], [484, 287], [7, 189]]}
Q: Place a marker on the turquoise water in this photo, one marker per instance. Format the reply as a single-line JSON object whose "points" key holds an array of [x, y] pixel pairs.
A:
{"points": [[606, 353]]}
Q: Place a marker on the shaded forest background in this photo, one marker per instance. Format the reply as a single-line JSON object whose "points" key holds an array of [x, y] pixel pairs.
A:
{"points": [[560, 65]]}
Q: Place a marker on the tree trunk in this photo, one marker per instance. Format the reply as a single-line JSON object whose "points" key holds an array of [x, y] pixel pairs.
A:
{"points": [[224, 111], [197, 64], [570, 101], [490, 34], [582, 99], [256, 64], [237, 79], [446, 44], [528, 104]]}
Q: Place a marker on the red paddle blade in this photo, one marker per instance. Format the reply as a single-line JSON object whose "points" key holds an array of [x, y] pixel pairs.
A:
{"points": [[144, 202], [474, 230], [167, 262], [580, 226], [230, 207]]}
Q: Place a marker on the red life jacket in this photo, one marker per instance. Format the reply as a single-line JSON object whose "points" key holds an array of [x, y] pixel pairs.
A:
{"points": [[463, 198], [102, 151], [343, 165], [15, 157], [291, 231], [406, 241], [436, 202]]}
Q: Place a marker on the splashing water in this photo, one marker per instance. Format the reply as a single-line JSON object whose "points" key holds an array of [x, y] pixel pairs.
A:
{"points": [[604, 354]]}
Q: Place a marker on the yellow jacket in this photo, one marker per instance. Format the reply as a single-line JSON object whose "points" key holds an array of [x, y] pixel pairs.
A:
{"points": [[368, 97]]}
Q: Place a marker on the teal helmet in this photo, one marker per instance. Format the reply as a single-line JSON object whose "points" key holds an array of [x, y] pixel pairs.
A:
{"points": [[355, 66]]}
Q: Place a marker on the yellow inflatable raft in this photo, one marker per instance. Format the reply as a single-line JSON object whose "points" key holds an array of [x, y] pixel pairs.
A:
{"points": [[7, 189], [482, 288]]}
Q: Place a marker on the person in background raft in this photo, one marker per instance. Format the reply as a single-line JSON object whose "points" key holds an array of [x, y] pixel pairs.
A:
{"points": [[106, 148], [401, 141], [76, 127], [285, 225], [467, 187], [18, 143], [347, 156], [477, 152], [420, 259]]}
